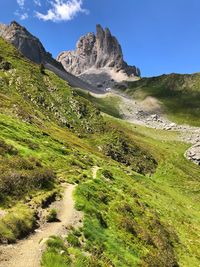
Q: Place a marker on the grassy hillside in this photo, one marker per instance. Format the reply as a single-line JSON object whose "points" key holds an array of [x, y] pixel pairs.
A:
{"points": [[132, 220], [180, 95], [103, 103], [41, 123], [140, 206]]}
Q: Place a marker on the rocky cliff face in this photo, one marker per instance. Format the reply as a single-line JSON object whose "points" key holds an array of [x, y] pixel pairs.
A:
{"points": [[97, 54], [31, 47]]}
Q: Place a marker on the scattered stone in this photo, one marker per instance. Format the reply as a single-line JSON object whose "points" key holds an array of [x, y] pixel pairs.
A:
{"points": [[172, 125], [154, 117], [168, 128], [62, 252], [38, 231], [193, 153]]}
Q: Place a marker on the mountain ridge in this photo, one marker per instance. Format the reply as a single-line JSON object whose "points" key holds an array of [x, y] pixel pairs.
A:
{"points": [[96, 54], [138, 195], [31, 47]]}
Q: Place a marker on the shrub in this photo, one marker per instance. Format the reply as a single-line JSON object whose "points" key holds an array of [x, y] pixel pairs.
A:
{"points": [[11, 183], [7, 149], [129, 225], [19, 163], [102, 220], [43, 178], [52, 216], [33, 146], [17, 224], [107, 174], [16, 183], [42, 69], [4, 65], [73, 240]]}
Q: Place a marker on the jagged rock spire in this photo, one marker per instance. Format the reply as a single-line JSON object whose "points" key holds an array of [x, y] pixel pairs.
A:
{"points": [[97, 51]]}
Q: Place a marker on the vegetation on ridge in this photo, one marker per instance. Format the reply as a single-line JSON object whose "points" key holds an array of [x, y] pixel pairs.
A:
{"points": [[179, 94], [149, 218], [132, 220]]}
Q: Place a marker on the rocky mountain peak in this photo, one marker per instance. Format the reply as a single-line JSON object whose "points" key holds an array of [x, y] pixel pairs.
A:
{"points": [[25, 42], [98, 54], [31, 47], [16, 24]]}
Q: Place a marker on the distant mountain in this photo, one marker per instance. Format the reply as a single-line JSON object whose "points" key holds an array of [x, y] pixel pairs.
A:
{"points": [[31, 47], [98, 59]]}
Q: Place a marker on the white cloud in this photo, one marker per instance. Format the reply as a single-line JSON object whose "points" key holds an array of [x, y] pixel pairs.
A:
{"points": [[37, 2], [62, 10], [24, 16], [21, 3]]}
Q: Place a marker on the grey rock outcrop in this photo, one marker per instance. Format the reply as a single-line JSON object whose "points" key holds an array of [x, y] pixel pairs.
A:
{"points": [[97, 52], [193, 154], [31, 47], [25, 42]]}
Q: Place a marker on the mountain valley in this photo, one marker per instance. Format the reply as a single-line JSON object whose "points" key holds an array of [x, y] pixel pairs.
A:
{"points": [[94, 158]]}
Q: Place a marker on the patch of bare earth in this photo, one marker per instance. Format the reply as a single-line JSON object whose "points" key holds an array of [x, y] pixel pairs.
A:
{"points": [[28, 252]]}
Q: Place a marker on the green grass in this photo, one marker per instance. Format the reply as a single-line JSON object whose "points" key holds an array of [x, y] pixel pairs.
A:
{"points": [[56, 254], [103, 103], [17, 223], [134, 220], [149, 218], [52, 216], [179, 94]]}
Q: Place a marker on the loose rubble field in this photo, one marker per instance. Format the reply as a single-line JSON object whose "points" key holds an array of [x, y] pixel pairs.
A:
{"points": [[149, 113]]}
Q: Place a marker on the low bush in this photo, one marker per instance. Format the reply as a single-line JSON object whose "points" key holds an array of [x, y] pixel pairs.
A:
{"points": [[56, 254], [4, 65], [107, 174], [17, 183], [52, 216], [16, 224], [73, 240], [7, 149], [122, 149]]}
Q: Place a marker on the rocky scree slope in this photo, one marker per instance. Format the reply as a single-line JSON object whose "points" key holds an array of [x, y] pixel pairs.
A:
{"points": [[178, 94], [174, 95], [31, 47], [98, 59]]}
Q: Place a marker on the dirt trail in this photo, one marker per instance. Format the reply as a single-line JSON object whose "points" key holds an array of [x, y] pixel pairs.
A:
{"points": [[27, 252]]}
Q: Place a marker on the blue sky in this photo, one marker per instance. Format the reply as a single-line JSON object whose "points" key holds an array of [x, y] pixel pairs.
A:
{"points": [[158, 36]]}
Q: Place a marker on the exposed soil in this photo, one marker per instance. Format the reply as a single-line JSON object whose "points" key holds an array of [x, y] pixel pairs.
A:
{"points": [[28, 252]]}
